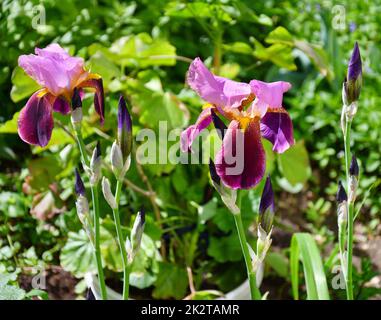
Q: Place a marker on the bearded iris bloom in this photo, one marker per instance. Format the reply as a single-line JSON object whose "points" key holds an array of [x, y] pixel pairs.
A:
{"points": [[254, 111], [59, 75]]}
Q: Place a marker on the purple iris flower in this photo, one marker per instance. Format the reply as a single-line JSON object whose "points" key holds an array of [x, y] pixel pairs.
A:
{"points": [[59, 75], [254, 110]]}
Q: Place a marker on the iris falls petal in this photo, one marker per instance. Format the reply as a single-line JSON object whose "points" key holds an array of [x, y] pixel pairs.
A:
{"points": [[35, 123], [241, 161]]}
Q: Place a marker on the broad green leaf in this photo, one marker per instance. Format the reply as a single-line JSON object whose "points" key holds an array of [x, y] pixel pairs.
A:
{"points": [[317, 54], [239, 47], [172, 282], [23, 85], [11, 125], [8, 292], [224, 249], [77, 255], [43, 172], [294, 165], [304, 248], [279, 54], [143, 51]]}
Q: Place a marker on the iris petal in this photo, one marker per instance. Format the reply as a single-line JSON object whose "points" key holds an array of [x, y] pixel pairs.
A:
{"points": [[94, 81], [276, 126], [191, 133], [216, 90], [241, 161], [35, 123]]}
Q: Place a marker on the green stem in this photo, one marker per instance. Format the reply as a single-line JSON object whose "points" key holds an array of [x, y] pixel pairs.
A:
{"points": [[94, 194], [255, 294], [123, 252], [349, 280]]}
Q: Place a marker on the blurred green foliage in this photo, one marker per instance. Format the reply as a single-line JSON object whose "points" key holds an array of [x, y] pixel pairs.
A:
{"points": [[142, 49]]}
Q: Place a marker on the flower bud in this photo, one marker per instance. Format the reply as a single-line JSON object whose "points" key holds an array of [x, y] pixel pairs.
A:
{"points": [[353, 179], [128, 247], [95, 165], [354, 167], [341, 195], [263, 243], [124, 128], [79, 186], [353, 82], [116, 160], [76, 113], [266, 206], [82, 206], [106, 189], [137, 231], [342, 215]]}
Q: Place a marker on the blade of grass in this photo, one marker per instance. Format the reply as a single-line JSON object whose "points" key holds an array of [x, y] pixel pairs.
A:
{"points": [[304, 248]]}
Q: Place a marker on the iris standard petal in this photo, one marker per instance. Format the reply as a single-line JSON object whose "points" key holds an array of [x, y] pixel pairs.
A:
{"points": [[269, 94], [35, 123], [188, 135], [53, 68], [95, 81], [276, 126], [241, 161], [216, 90]]}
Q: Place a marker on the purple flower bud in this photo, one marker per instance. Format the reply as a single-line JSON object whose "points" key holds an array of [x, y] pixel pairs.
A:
{"points": [[266, 206], [79, 186], [353, 81], [98, 149], [124, 128], [213, 173], [354, 167], [341, 195], [76, 101], [219, 125]]}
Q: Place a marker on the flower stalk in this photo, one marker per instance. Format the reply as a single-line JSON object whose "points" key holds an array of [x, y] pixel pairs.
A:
{"points": [[95, 199], [351, 92]]}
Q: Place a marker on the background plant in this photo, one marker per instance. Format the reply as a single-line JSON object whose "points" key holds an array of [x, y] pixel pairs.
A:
{"points": [[141, 49]]}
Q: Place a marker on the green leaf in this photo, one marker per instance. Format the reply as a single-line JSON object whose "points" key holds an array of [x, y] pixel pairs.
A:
{"points": [[279, 263], [11, 125], [317, 54], [280, 35], [279, 54], [23, 85], [224, 249], [294, 165], [304, 248], [8, 292], [77, 255], [171, 282]]}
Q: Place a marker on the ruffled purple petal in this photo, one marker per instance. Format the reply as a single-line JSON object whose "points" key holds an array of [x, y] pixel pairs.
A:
{"points": [[216, 90], [61, 105], [269, 94], [241, 161], [191, 133], [276, 126], [53, 68], [35, 123]]}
